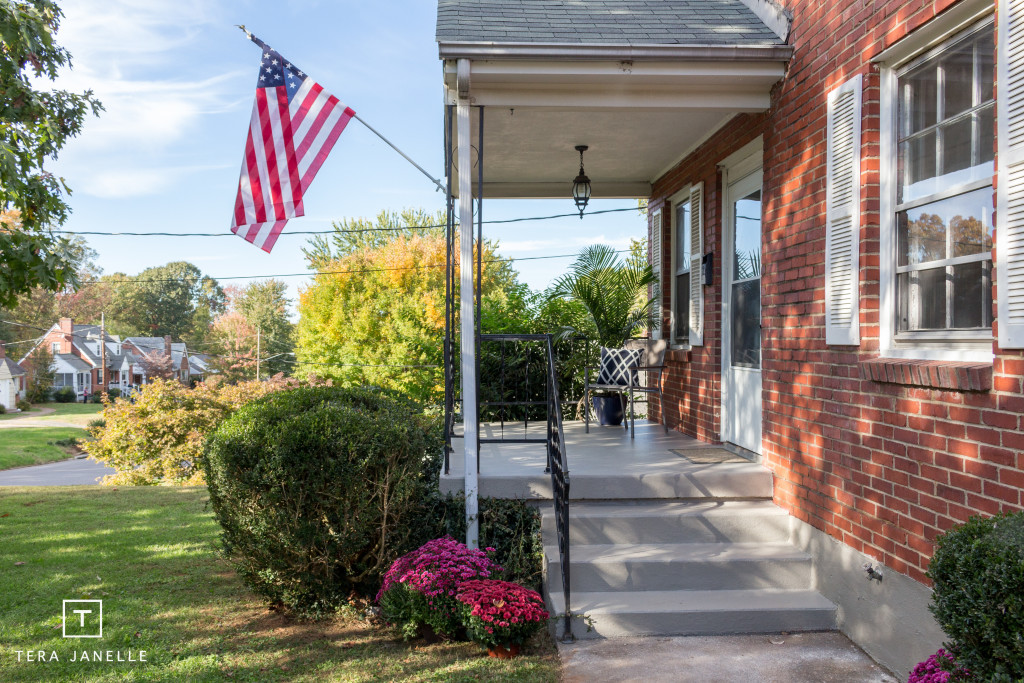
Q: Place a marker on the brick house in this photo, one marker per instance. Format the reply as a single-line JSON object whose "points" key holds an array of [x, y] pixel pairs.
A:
{"points": [[77, 352], [825, 181]]}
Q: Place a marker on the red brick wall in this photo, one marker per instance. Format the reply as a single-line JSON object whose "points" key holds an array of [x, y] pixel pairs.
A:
{"points": [[881, 455]]}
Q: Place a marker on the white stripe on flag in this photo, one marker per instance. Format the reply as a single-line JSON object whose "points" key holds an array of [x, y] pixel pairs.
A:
{"points": [[322, 134], [300, 126], [265, 201], [283, 208]]}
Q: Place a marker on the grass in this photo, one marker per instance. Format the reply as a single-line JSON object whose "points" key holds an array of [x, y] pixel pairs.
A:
{"points": [[22, 446], [76, 413], [150, 553]]}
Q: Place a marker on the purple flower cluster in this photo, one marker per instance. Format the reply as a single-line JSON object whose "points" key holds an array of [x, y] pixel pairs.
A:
{"points": [[438, 567], [936, 669]]}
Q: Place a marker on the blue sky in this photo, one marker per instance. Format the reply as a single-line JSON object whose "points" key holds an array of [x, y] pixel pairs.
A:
{"points": [[177, 79]]}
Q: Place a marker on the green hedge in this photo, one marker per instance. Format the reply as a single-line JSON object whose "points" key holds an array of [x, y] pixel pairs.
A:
{"points": [[64, 395], [319, 489], [978, 599]]}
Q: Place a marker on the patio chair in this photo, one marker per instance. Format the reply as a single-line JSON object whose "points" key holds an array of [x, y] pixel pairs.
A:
{"points": [[651, 362]]}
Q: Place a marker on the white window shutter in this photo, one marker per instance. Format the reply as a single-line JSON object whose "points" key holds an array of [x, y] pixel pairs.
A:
{"points": [[1010, 186], [696, 336], [842, 209], [656, 319]]}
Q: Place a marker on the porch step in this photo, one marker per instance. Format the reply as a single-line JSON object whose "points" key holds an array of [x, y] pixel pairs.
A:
{"points": [[672, 522], [668, 566], [686, 612], [682, 480], [683, 567]]}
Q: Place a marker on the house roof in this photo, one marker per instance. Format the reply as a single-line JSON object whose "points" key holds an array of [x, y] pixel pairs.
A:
{"points": [[73, 361], [8, 368], [608, 22], [153, 344]]}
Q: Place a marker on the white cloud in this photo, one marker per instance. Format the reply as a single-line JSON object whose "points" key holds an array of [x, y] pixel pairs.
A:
{"points": [[123, 51], [135, 182]]}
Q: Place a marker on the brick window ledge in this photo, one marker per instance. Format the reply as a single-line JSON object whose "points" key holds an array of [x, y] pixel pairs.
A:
{"points": [[934, 374], [678, 355]]}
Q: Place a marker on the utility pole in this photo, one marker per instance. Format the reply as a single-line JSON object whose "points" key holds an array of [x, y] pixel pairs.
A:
{"points": [[105, 381], [257, 353]]}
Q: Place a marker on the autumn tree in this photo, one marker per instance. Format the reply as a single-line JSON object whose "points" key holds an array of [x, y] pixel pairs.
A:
{"points": [[175, 299], [40, 376], [39, 308], [158, 365], [35, 123], [260, 306], [376, 312]]}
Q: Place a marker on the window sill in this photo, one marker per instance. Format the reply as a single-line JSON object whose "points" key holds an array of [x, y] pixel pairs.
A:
{"points": [[933, 374], [680, 354]]}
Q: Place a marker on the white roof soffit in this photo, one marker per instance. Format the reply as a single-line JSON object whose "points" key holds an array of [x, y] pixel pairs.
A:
{"points": [[638, 117]]}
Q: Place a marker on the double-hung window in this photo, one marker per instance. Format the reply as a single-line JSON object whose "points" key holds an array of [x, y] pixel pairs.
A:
{"points": [[687, 246], [941, 210], [681, 245]]}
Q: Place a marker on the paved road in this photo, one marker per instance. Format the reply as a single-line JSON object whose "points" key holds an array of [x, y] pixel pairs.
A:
{"points": [[72, 472]]}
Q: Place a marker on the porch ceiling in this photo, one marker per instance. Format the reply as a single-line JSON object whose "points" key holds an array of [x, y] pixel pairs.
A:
{"points": [[638, 118]]}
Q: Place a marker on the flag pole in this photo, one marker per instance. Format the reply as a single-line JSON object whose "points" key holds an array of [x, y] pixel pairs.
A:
{"points": [[405, 156]]}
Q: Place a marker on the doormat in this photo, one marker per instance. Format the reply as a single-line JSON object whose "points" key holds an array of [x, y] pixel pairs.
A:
{"points": [[707, 456]]}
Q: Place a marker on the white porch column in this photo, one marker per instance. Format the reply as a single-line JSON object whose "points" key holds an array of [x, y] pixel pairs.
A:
{"points": [[467, 326]]}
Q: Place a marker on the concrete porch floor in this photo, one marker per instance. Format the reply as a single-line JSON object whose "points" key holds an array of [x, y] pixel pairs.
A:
{"points": [[605, 464]]}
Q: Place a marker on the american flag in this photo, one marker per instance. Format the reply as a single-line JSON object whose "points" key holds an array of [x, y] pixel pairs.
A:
{"points": [[294, 125]]}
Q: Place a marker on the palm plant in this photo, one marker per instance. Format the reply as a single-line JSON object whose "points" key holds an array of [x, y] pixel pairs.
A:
{"points": [[613, 292]]}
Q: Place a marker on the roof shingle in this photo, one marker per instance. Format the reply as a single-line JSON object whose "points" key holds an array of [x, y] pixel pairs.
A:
{"points": [[607, 22]]}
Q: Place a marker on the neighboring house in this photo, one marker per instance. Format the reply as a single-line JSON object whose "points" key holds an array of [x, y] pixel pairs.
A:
{"points": [[199, 366], [12, 381], [141, 347], [77, 355], [824, 184]]}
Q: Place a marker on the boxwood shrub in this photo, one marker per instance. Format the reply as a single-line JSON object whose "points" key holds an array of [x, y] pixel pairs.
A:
{"points": [[978, 599], [64, 395], [319, 489]]}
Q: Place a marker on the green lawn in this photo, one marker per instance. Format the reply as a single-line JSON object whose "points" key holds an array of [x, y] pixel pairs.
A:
{"points": [[150, 554], [78, 413], [34, 445]]}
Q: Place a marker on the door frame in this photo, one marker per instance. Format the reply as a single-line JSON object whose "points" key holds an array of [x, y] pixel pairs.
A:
{"points": [[736, 167]]}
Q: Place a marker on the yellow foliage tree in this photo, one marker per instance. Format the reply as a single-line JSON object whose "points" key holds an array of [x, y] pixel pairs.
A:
{"points": [[377, 315]]}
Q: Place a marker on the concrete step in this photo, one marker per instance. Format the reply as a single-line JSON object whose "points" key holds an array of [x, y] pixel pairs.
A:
{"points": [[717, 612], [675, 481], [671, 522], [685, 566]]}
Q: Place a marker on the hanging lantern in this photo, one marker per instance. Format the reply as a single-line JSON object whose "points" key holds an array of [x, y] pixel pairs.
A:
{"points": [[581, 185]]}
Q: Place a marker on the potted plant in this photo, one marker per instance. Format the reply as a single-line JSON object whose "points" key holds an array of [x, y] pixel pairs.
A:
{"points": [[612, 293], [500, 615]]}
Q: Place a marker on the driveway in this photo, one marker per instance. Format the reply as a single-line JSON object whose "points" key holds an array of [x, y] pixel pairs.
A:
{"points": [[73, 472]]}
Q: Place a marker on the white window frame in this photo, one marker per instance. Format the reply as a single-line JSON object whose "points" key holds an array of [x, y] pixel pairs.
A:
{"points": [[54, 348], [679, 329], [951, 345]]}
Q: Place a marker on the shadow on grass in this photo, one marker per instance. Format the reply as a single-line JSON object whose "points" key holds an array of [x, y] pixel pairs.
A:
{"points": [[150, 553]]}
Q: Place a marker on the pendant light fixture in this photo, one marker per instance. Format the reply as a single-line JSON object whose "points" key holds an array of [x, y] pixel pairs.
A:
{"points": [[581, 185]]}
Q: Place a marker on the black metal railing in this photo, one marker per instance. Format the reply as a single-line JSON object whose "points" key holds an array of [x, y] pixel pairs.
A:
{"points": [[559, 466]]}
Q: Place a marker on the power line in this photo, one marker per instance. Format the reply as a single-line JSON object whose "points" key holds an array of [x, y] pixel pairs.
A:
{"points": [[337, 272], [334, 231]]}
